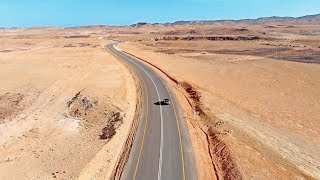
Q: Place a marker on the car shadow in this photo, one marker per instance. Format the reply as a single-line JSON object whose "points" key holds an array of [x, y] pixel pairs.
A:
{"points": [[160, 103]]}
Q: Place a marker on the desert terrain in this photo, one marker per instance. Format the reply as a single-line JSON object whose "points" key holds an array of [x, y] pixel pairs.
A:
{"points": [[253, 89], [66, 105], [249, 89]]}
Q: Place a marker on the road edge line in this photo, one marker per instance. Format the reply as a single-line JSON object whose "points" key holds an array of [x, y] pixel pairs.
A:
{"points": [[117, 170], [179, 132], [144, 131], [161, 117]]}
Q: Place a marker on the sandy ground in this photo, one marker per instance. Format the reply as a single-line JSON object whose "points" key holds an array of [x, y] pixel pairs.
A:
{"points": [[59, 90], [62, 96], [263, 106]]}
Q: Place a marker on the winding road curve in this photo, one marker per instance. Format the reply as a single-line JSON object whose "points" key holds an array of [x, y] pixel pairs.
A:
{"points": [[162, 148]]}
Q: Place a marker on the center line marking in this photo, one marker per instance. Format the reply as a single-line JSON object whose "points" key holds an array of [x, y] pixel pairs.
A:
{"points": [[161, 132]]}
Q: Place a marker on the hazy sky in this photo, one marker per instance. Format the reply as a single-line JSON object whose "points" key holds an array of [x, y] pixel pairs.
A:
{"points": [[26, 13]]}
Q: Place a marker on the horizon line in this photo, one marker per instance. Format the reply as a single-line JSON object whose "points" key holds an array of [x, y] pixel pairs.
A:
{"points": [[152, 23]]}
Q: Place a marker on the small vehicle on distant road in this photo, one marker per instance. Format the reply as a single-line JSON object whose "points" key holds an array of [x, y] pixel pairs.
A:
{"points": [[166, 101]]}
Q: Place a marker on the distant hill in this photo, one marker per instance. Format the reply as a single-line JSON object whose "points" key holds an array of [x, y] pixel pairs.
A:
{"points": [[139, 24], [90, 26], [309, 19]]}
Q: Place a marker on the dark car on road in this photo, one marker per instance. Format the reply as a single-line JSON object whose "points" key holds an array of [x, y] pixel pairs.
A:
{"points": [[166, 101]]}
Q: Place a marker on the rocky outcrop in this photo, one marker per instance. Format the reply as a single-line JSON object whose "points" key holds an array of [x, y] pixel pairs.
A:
{"points": [[210, 38]]}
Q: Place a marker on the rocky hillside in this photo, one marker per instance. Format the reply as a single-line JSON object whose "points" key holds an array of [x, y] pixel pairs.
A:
{"points": [[309, 19]]}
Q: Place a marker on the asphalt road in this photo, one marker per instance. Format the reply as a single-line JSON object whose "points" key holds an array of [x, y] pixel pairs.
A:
{"points": [[162, 148]]}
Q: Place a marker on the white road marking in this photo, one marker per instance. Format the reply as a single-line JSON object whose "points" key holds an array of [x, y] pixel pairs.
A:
{"points": [[161, 130]]}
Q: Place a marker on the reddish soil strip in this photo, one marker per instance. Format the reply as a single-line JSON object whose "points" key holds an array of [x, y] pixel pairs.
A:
{"points": [[171, 78], [221, 158]]}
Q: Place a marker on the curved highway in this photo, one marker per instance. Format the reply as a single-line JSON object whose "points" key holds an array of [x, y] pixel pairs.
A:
{"points": [[162, 148]]}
